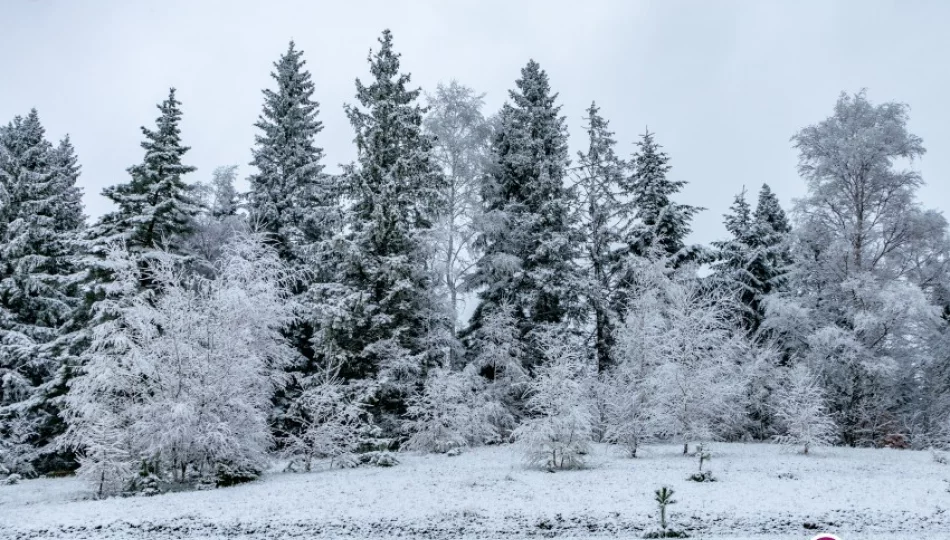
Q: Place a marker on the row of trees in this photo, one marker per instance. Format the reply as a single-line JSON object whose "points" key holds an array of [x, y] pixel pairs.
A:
{"points": [[196, 329]]}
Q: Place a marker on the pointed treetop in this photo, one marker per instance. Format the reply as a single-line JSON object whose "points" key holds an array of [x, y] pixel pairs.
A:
{"points": [[769, 212], [534, 86], [739, 221]]}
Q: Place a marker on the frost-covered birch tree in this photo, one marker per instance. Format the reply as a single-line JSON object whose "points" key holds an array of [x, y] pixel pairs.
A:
{"points": [[858, 310], [460, 146]]}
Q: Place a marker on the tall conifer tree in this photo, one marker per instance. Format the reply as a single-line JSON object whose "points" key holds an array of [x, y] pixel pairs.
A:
{"points": [[39, 285], [391, 322], [528, 236], [606, 213], [156, 207]]}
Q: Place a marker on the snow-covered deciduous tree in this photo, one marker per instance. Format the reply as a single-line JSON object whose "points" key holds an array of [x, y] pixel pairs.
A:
{"points": [[452, 411], [327, 421], [681, 341], [632, 413], [225, 199], [461, 136], [860, 308], [497, 352], [801, 413], [219, 220], [106, 462], [847, 161], [184, 374], [559, 428]]}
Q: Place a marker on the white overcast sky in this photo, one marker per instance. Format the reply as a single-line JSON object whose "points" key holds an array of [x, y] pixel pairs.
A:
{"points": [[723, 84]]}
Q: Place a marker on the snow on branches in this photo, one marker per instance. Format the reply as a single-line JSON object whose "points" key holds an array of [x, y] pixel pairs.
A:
{"points": [[181, 378]]}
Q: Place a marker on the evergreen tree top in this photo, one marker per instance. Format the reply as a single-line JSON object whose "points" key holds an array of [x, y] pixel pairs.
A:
{"points": [[769, 212], [388, 88], [292, 103], [67, 170], [390, 114], [739, 220], [601, 138], [25, 140], [649, 181], [156, 205], [163, 148], [535, 89]]}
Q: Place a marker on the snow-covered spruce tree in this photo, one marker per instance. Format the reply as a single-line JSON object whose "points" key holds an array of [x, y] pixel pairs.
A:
{"points": [[558, 431], [181, 378], [155, 217], [527, 235], [773, 231], [756, 259], [391, 325], [156, 208], [297, 204], [661, 225], [225, 199], [291, 198], [453, 411], [680, 339], [40, 222], [601, 183], [862, 316], [801, 412], [735, 257], [661, 221], [461, 137]]}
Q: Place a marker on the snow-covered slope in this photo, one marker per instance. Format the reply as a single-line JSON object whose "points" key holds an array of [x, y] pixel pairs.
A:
{"points": [[762, 492]]}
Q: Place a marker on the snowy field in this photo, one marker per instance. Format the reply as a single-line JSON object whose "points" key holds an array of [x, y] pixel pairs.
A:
{"points": [[762, 492]]}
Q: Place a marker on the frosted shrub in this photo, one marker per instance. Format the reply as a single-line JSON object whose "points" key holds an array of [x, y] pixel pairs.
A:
{"points": [[801, 413], [331, 420], [451, 412], [631, 414], [559, 432], [183, 374]]}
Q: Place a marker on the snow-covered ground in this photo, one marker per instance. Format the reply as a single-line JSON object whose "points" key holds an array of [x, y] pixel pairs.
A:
{"points": [[763, 492]]}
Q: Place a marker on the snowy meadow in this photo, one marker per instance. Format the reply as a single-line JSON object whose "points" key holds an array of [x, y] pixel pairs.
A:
{"points": [[761, 492]]}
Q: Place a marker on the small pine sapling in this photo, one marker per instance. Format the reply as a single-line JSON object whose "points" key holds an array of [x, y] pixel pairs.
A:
{"points": [[704, 455], [664, 498]]}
